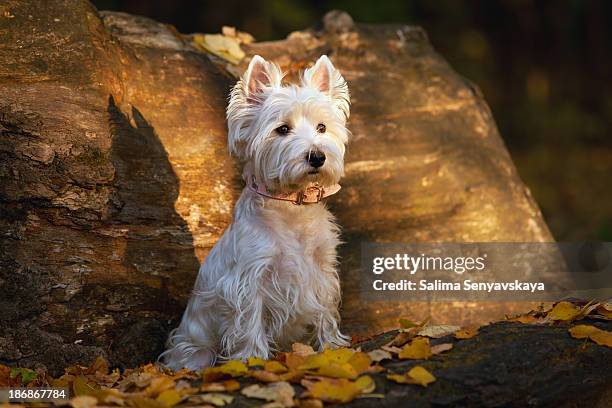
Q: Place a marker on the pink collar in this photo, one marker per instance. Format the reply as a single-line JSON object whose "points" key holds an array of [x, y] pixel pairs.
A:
{"points": [[312, 194]]}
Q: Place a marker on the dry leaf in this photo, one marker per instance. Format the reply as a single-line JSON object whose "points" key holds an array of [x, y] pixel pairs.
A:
{"points": [[280, 392], [466, 333], [417, 375], [438, 331], [379, 355], [228, 385], [232, 368], [222, 46], [274, 367], [310, 403], [338, 390], [418, 349], [83, 401], [302, 349], [605, 309], [169, 398], [563, 311], [255, 362], [601, 337], [441, 348], [218, 400]]}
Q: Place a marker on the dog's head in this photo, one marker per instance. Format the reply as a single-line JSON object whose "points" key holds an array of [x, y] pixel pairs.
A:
{"points": [[290, 135]]}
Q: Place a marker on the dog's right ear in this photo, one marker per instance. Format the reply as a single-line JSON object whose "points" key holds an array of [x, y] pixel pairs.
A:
{"points": [[260, 75], [245, 98]]}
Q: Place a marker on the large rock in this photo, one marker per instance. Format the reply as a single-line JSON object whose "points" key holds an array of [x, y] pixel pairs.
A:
{"points": [[115, 180]]}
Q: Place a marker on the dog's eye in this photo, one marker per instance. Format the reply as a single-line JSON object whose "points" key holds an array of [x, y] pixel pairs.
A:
{"points": [[282, 130], [321, 128]]}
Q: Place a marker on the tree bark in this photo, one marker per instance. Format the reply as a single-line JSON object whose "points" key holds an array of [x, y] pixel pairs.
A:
{"points": [[115, 181]]}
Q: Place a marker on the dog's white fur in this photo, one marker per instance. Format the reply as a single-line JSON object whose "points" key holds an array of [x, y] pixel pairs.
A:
{"points": [[271, 279]]}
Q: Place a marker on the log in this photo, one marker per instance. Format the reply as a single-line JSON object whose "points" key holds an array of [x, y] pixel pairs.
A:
{"points": [[115, 181]]}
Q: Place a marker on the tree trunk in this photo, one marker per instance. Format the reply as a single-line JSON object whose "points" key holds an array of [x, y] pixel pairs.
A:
{"points": [[115, 181]]}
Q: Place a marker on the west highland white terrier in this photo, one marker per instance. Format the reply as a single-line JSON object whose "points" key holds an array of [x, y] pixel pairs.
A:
{"points": [[271, 279]]}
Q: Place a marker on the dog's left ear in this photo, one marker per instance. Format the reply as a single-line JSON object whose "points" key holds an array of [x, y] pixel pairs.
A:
{"points": [[324, 77]]}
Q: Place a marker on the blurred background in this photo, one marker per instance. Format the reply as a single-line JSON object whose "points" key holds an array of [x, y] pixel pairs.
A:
{"points": [[545, 68]]}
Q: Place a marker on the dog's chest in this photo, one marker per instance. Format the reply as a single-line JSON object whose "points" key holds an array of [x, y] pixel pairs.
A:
{"points": [[306, 239]]}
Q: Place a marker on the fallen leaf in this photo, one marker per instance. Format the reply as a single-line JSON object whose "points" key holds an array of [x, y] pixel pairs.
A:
{"points": [[26, 374], [169, 398], [466, 333], [216, 399], [605, 309], [222, 46], [280, 392], [302, 349], [525, 319], [416, 375], [232, 368], [418, 349], [360, 361], [379, 355], [601, 337], [336, 370], [255, 362], [338, 390], [391, 349], [438, 331], [441, 348], [228, 385], [563, 311], [83, 401], [274, 367], [310, 403]]}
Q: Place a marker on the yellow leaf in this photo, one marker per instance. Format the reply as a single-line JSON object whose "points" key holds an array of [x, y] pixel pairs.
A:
{"points": [[601, 337], [563, 311], [417, 375], [582, 331], [417, 349], [338, 390], [274, 367], [141, 402], [255, 362], [360, 361], [169, 398], [340, 355], [232, 368], [336, 370], [314, 361], [366, 384], [466, 333], [421, 376]]}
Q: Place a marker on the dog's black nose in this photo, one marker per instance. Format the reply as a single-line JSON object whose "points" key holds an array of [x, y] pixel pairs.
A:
{"points": [[315, 158]]}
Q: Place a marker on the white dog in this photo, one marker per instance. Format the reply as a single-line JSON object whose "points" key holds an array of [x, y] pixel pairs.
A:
{"points": [[271, 279]]}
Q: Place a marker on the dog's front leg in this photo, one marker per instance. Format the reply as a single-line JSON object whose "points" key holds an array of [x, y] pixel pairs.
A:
{"points": [[328, 333], [245, 333]]}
